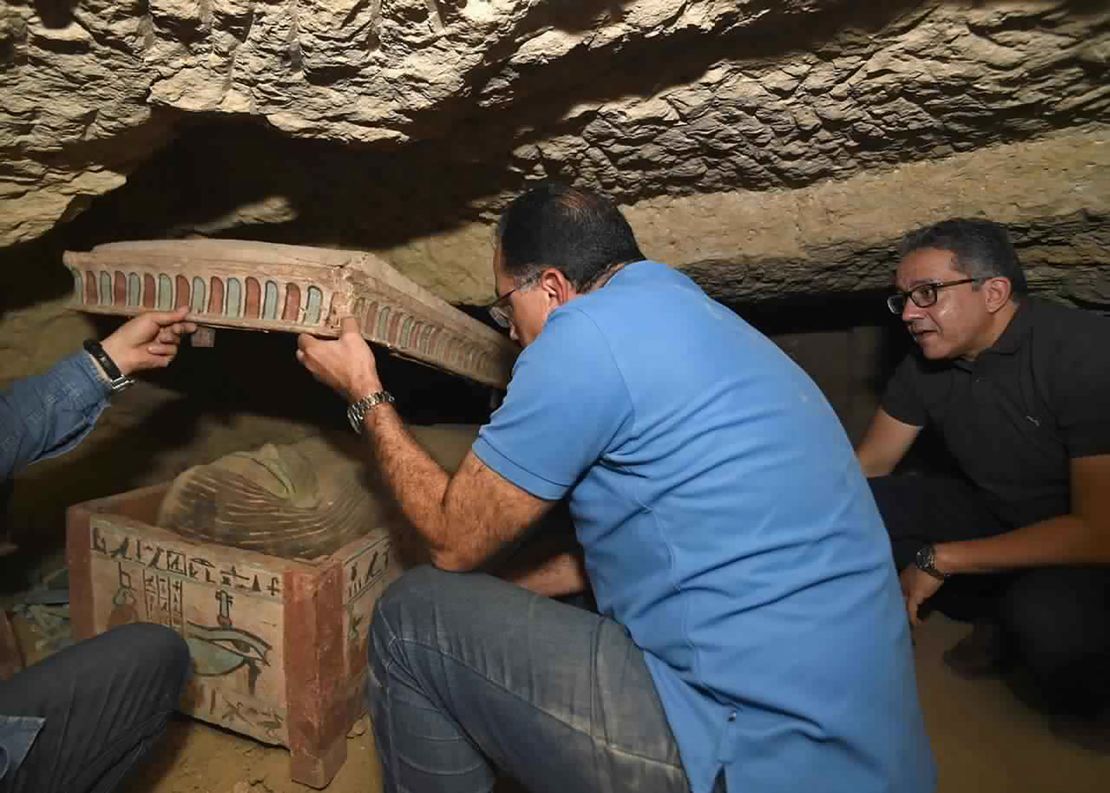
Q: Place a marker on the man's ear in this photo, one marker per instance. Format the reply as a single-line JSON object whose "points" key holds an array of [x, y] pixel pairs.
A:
{"points": [[556, 285], [997, 291]]}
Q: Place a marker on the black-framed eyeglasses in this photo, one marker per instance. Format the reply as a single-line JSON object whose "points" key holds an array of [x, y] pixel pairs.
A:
{"points": [[922, 295], [501, 310]]}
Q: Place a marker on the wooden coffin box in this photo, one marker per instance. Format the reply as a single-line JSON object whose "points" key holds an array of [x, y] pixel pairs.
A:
{"points": [[278, 646]]}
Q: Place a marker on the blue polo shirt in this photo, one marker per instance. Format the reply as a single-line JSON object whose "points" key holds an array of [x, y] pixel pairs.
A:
{"points": [[727, 525]]}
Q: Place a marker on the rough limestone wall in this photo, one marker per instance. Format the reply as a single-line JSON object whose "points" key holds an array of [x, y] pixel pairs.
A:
{"points": [[642, 98], [74, 115], [82, 81], [840, 236], [835, 236]]}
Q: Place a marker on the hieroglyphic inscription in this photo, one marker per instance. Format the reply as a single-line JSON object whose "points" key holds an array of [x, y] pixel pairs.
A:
{"points": [[163, 600], [230, 607], [112, 542], [228, 610], [364, 576], [365, 569], [237, 712]]}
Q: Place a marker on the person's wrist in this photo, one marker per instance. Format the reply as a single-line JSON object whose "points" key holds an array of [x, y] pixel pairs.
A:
{"points": [[925, 560], [118, 355], [358, 411], [106, 367], [363, 387], [98, 370], [944, 558]]}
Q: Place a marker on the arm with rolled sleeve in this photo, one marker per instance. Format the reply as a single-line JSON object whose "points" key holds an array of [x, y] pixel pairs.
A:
{"points": [[47, 415]]}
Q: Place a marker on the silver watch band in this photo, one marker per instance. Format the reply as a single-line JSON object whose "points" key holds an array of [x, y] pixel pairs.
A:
{"points": [[358, 410]]}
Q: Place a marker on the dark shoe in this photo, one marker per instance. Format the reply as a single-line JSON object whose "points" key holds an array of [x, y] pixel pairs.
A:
{"points": [[979, 654]]}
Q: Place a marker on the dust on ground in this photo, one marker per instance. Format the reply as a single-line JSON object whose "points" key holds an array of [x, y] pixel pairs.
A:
{"points": [[193, 757]]}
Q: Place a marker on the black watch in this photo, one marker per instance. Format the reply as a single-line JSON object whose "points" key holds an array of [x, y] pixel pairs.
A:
{"points": [[926, 559], [117, 380]]}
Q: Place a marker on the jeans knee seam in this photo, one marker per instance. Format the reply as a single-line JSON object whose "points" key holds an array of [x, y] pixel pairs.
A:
{"points": [[393, 638]]}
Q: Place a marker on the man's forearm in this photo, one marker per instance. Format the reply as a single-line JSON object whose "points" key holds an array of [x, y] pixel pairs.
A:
{"points": [[463, 519], [416, 480], [555, 576], [1063, 540], [550, 562]]}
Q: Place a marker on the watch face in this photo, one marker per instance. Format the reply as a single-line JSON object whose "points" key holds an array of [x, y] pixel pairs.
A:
{"points": [[925, 560]]}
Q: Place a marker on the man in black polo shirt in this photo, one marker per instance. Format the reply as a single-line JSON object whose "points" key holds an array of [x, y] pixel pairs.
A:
{"points": [[1019, 390]]}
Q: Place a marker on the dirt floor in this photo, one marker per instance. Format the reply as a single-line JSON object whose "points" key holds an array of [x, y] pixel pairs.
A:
{"points": [[196, 758], [986, 741]]}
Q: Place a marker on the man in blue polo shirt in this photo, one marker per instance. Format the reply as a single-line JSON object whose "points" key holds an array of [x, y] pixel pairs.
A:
{"points": [[751, 634]]}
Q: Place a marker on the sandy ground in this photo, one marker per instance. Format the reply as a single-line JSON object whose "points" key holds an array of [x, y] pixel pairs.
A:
{"points": [[985, 739], [196, 758]]}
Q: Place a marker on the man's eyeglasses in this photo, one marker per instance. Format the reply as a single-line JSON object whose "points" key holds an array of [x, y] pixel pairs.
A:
{"points": [[923, 295], [501, 310]]}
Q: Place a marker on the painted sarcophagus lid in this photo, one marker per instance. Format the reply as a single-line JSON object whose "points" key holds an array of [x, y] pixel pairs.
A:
{"points": [[266, 286]]}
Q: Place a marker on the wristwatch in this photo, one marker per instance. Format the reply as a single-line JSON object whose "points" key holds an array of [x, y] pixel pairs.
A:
{"points": [[358, 410], [117, 380], [925, 560]]}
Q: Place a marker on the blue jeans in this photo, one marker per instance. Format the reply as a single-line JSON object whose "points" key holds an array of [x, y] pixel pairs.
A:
{"points": [[470, 675]]}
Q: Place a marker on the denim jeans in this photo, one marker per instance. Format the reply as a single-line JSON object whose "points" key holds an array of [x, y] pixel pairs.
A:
{"points": [[471, 676], [104, 702]]}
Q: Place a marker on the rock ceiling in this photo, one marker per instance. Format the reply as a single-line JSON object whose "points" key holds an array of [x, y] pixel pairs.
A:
{"points": [[772, 147]]}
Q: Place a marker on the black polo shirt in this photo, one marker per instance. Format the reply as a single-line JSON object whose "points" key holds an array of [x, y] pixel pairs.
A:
{"points": [[1015, 416]]}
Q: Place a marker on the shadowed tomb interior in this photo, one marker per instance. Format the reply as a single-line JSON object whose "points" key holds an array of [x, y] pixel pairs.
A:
{"points": [[774, 151]]}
